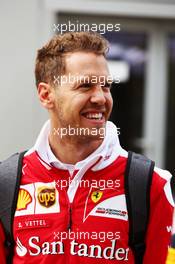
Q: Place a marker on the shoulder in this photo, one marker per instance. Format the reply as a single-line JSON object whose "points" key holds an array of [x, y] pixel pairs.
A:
{"points": [[161, 186]]}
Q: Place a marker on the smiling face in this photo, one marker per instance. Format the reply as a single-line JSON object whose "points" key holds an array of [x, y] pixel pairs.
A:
{"points": [[83, 98]]}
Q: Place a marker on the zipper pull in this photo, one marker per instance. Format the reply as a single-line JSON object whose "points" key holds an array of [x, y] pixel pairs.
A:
{"points": [[70, 218]]}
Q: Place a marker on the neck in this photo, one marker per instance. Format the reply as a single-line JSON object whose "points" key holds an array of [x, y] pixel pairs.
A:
{"points": [[72, 150]]}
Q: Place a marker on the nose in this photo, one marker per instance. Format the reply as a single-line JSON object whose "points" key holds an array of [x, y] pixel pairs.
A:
{"points": [[98, 96]]}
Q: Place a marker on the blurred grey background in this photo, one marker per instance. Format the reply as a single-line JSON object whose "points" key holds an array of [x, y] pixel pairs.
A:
{"points": [[142, 54]]}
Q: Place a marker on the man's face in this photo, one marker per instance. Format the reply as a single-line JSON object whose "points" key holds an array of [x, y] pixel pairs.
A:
{"points": [[83, 98]]}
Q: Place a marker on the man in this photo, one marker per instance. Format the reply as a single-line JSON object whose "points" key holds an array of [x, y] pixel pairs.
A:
{"points": [[71, 204]]}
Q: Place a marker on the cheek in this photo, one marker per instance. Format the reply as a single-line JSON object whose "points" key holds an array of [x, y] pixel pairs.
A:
{"points": [[79, 101], [64, 101], [109, 100]]}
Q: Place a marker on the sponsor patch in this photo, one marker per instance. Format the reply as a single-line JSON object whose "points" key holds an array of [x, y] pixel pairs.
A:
{"points": [[46, 196], [38, 198], [24, 199], [105, 203], [36, 247], [114, 207], [110, 211], [96, 196]]}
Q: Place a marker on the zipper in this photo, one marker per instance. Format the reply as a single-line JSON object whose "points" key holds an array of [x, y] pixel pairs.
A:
{"points": [[70, 218], [69, 230]]}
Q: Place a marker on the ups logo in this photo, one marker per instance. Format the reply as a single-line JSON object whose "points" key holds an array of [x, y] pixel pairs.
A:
{"points": [[46, 196]]}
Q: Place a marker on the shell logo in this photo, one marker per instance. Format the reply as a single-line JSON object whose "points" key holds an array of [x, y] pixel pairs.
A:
{"points": [[24, 199]]}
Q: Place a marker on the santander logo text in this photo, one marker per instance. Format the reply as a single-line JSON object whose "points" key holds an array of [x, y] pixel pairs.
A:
{"points": [[35, 248]]}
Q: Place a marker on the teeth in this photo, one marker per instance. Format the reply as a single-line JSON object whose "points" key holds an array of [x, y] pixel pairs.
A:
{"points": [[94, 116]]}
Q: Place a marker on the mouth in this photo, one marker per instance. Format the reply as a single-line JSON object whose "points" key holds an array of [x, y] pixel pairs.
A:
{"points": [[93, 116]]}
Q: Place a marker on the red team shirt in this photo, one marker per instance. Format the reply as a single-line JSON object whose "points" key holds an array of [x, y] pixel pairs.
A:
{"points": [[81, 217]]}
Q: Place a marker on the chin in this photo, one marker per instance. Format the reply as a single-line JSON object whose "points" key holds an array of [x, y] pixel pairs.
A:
{"points": [[90, 138]]}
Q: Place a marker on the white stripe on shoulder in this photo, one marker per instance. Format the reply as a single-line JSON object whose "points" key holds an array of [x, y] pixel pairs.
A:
{"points": [[168, 193], [167, 187], [163, 173]]}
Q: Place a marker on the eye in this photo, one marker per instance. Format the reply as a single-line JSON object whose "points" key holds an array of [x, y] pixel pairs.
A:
{"points": [[106, 85], [86, 85]]}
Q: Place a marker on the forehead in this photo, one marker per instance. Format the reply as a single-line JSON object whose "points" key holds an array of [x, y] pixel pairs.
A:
{"points": [[86, 63]]}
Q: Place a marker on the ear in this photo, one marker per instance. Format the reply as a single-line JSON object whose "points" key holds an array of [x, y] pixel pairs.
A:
{"points": [[46, 95]]}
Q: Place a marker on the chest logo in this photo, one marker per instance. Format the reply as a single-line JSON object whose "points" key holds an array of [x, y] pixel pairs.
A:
{"points": [[24, 199], [46, 196], [96, 196]]}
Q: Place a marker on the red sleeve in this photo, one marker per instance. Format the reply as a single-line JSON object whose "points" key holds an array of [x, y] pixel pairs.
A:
{"points": [[2, 248], [160, 220]]}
